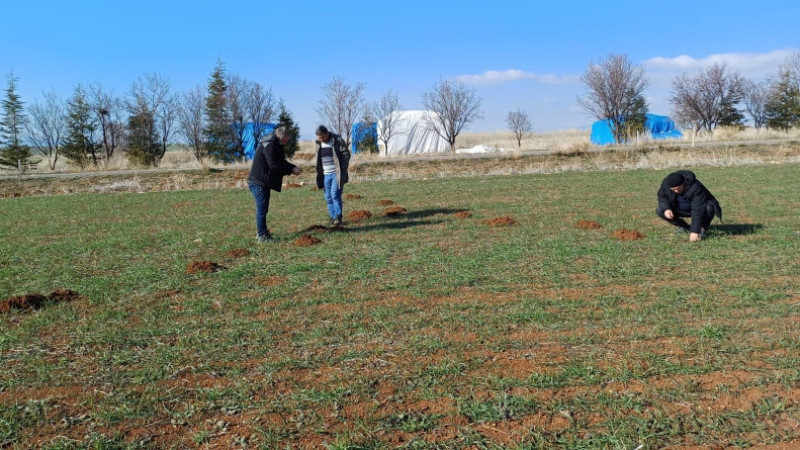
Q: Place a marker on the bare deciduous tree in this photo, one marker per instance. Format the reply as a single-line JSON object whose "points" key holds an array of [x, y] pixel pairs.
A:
{"points": [[261, 108], [756, 96], [47, 126], [616, 93], [341, 106], [708, 98], [454, 105], [519, 124], [191, 121], [384, 112], [107, 109]]}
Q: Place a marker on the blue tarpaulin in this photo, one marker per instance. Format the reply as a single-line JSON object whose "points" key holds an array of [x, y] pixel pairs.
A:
{"points": [[362, 130], [657, 127], [250, 142]]}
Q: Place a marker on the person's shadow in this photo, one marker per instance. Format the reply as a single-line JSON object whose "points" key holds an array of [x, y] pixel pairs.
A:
{"points": [[736, 229], [398, 222]]}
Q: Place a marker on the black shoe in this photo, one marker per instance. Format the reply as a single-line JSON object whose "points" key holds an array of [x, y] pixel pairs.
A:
{"points": [[266, 238], [703, 234], [681, 230], [337, 222]]}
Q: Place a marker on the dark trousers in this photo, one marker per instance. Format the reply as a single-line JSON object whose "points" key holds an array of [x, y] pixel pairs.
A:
{"points": [[676, 220], [261, 196]]}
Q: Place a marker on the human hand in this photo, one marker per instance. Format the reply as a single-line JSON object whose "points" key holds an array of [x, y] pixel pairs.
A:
{"points": [[694, 237], [668, 214]]}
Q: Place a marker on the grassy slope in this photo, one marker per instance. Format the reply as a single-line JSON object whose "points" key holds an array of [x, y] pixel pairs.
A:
{"points": [[411, 331]]}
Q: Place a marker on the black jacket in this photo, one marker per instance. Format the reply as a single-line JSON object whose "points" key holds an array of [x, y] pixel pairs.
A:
{"points": [[270, 165], [694, 193], [341, 159]]}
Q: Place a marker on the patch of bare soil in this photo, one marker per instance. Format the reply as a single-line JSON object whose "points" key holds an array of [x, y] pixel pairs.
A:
{"points": [[503, 221], [238, 253], [204, 267], [394, 211], [360, 214], [352, 197], [588, 225], [307, 241], [463, 215], [36, 301], [624, 234], [275, 280], [385, 202], [292, 185]]}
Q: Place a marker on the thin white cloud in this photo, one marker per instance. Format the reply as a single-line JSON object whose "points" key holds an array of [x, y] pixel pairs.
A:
{"points": [[495, 77], [749, 64]]}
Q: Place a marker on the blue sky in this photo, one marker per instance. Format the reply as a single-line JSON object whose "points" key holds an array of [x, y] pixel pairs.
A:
{"points": [[516, 54]]}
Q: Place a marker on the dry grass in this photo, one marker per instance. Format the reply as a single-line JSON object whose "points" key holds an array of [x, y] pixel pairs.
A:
{"points": [[562, 142]]}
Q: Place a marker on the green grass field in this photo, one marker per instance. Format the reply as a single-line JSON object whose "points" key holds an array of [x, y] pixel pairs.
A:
{"points": [[421, 331]]}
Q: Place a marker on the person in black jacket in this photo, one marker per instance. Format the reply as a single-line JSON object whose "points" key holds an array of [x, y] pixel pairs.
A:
{"points": [[682, 195], [267, 172], [333, 161]]}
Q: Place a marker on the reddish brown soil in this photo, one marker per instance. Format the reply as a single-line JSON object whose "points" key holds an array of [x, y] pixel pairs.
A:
{"points": [[293, 185], [627, 235], [503, 221], [359, 215], [275, 280], [385, 203], [238, 253], [394, 211], [463, 215], [588, 225], [204, 267], [307, 241], [352, 197], [36, 301]]}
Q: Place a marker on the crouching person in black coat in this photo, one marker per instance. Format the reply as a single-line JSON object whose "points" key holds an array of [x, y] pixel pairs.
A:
{"points": [[267, 172], [682, 195]]}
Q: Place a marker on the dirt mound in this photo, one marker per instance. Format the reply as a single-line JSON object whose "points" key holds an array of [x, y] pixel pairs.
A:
{"points": [[588, 225], [36, 301], [352, 197], [385, 203], [292, 185], [238, 253], [463, 215], [503, 221], [204, 267], [627, 235], [307, 241], [359, 214], [394, 211]]}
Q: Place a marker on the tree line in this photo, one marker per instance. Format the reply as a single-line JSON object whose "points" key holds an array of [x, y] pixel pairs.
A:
{"points": [[716, 96]]}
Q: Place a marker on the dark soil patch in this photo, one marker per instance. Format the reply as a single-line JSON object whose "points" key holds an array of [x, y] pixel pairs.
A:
{"points": [[463, 215], [204, 267], [36, 301], [238, 253], [359, 214], [627, 235], [394, 211], [307, 241], [352, 197], [385, 203], [313, 228], [588, 225], [503, 221]]}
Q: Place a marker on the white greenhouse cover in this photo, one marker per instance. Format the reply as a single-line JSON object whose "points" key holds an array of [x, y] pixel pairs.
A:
{"points": [[411, 135]]}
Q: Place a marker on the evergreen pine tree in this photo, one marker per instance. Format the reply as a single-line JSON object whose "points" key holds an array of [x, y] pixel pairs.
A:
{"points": [[219, 134], [13, 153], [285, 120], [783, 107], [80, 144]]}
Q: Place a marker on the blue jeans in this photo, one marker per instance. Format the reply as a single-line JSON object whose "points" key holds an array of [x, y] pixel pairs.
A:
{"points": [[333, 195], [261, 195]]}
